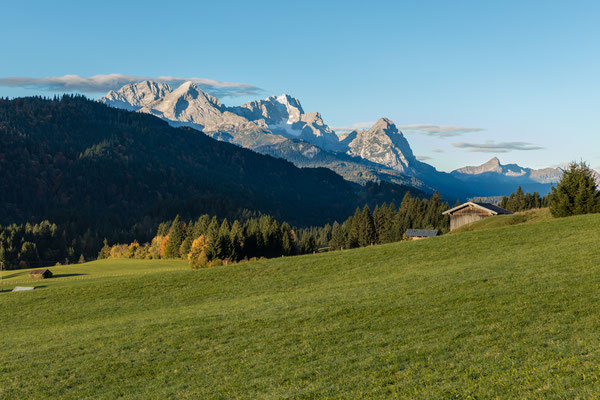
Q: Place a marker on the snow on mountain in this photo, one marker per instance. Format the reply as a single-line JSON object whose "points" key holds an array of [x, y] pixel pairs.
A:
{"points": [[278, 126], [284, 116]]}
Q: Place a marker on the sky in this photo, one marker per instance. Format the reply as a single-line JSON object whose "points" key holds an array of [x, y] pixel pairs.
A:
{"points": [[464, 80]]}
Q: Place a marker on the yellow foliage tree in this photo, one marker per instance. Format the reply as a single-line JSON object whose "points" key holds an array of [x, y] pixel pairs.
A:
{"points": [[163, 246], [197, 255]]}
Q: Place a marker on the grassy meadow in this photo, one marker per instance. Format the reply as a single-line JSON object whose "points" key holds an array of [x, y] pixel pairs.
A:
{"points": [[511, 311]]}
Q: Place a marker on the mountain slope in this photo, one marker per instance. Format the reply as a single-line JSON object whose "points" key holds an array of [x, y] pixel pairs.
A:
{"points": [[277, 124], [493, 178], [78, 162], [423, 320]]}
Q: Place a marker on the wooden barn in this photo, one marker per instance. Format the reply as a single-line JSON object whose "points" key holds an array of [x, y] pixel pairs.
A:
{"points": [[40, 273], [416, 234], [471, 212]]}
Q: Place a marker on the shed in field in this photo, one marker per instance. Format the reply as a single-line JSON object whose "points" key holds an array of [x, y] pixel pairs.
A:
{"points": [[40, 273], [470, 212], [416, 234]]}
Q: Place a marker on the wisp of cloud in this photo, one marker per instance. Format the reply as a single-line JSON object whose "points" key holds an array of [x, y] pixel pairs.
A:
{"points": [[441, 131], [493, 147], [105, 82]]}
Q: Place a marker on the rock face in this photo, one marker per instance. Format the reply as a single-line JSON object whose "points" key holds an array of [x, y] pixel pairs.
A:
{"points": [[278, 126], [137, 95], [384, 144], [276, 117]]}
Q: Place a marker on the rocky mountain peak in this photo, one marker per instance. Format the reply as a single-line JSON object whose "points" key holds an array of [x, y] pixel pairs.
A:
{"points": [[137, 95], [495, 161], [384, 144]]}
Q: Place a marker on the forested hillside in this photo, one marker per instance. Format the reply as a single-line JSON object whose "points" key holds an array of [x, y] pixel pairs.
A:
{"points": [[102, 172]]}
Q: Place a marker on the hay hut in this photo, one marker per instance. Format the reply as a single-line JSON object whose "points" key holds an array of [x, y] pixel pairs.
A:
{"points": [[416, 234], [40, 273], [470, 212]]}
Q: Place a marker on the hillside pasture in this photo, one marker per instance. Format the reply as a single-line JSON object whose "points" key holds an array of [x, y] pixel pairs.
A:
{"points": [[508, 312]]}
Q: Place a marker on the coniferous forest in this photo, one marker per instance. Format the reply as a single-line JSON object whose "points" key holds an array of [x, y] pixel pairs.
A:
{"points": [[98, 173], [208, 241]]}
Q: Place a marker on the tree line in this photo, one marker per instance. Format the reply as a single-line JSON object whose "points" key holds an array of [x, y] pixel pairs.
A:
{"points": [[43, 244], [385, 224], [520, 201], [209, 241]]}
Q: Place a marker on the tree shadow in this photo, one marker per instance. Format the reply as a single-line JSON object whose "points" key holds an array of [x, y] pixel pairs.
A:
{"points": [[65, 275], [24, 273]]}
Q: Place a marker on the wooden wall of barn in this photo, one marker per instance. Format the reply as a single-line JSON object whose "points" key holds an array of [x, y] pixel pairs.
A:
{"points": [[463, 219], [467, 215]]}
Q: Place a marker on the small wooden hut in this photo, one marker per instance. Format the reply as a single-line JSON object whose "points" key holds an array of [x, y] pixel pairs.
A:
{"points": [[470, 212], [40, 273], [416, 234]]}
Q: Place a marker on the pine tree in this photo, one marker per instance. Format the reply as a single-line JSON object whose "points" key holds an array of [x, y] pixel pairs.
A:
{"points": [[308, 245], [287, 241], [222, 245], [367, 234], [105, 251], [354, 227], [576, 193], [338, 238], [237, 241], [176, 237]]}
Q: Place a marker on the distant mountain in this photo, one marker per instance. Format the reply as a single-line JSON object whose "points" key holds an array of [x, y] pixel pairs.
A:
{"points": [[87, 166], [495, 179], [278, 126]]}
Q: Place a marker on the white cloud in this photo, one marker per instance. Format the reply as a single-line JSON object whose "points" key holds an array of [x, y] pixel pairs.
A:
{"points": [[437, 130], [105, 82], [423, 158], [354, 127], [437, 150], [493, 147]]}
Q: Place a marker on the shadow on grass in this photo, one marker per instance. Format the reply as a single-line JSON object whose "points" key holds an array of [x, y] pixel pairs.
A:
{"points": [[24, 273], [65, 275]]}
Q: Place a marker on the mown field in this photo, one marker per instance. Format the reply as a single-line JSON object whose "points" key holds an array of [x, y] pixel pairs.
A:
{"points": [[506, 312]]}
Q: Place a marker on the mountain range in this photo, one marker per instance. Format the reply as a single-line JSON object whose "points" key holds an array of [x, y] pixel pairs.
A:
{"points": [[279, 126]]}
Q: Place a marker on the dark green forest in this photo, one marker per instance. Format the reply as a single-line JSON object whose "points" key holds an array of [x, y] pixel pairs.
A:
{"points": [[97, 172]]}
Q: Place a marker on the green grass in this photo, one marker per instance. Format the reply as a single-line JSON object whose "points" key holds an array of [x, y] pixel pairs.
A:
{"points": [[511, 312], [94, 269], [538, 214]]}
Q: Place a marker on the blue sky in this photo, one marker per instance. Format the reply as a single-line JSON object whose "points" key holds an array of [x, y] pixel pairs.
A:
{"points": [[515, 79]]}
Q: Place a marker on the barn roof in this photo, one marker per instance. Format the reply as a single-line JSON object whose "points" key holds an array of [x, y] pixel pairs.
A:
{"points": [[421, 233], [39, 271], [492, 209]]}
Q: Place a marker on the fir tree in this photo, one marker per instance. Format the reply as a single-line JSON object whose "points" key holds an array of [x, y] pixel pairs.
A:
{"points": [[354, 228], [576, 193], [237, 241], [338, 238], [176, 237], [367, 234]]}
